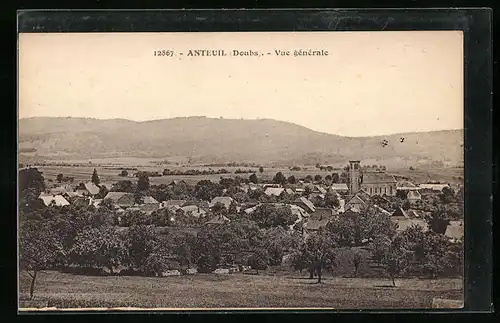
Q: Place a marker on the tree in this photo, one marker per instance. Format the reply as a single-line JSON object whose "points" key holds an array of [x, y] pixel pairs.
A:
{"points": [[232, 210], [335, 178], [379, 248], [60, 177], [317, 178], [331, 200], [259, 259], [141, 241], [292, 180], [183, 244], [103, 191], [241, 197], [39, 249], [447, 195], [253, 178], [206, 190], [124, 173], [143, 182], [219, 208], [433, 253], [207, 249], [31, 183], [406, 205], [125, 186], [261, 169], [99, 247], [317, 253], [267, 216], [276, 241], [162, 217], [356, 262], [95, 177], [279, 178], [397, 258], [438, 220]]}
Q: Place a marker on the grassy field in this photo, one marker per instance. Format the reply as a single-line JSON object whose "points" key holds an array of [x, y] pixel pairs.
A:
{"points": [[109, 173], [236, 291], [452, 175]]}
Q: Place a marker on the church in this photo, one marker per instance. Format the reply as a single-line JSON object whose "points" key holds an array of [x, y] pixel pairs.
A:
{"points": [[372, 182]]}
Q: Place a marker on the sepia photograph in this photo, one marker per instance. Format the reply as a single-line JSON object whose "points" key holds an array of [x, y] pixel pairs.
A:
{"points": [[241, 170]]}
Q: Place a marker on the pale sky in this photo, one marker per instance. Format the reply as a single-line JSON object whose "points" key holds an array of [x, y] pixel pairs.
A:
{"points": [[371, 83]]}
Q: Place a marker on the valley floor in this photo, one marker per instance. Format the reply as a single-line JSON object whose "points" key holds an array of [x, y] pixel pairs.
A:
{"points": [[63, 290]]}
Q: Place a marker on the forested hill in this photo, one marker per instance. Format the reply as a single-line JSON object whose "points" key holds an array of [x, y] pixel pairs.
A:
{"points": [[210, 139]]}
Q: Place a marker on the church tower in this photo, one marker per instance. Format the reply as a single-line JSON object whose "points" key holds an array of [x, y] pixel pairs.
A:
{"points": [[354, 176]]}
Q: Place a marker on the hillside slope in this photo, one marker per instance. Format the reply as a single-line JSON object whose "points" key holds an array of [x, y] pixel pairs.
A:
{"points": [[208, 139]]}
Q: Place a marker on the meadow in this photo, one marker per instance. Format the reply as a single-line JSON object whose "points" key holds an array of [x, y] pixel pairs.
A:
{"points": [[64, 290], [109, 169]]}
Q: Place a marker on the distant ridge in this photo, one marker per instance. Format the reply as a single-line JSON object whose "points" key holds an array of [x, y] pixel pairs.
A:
{"points": [[216, 139], [231, 119]]}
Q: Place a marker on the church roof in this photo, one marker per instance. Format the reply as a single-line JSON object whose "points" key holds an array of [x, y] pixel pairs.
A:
{"points": [[378, 178]]}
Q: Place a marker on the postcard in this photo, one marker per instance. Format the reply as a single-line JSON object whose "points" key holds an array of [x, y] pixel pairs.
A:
{"points": [[241, 170]]}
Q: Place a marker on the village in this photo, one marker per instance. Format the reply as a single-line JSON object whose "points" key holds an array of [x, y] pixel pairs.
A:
{"points": [[314, 203], [345, 224]]}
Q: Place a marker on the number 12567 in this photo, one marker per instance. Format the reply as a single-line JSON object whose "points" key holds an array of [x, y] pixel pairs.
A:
{"points": [[163, 53]]}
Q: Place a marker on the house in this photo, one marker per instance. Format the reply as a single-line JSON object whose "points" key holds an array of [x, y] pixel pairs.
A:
{"points": [[305, 204], [149, 200], [168, 203], [413, 196], [82, 201], [252, 209], [382, 210], [339, 187], [381, 202], [200, 204], [193, 210], [274, 191], [314, 196], [406, 186], [403, 224], [60, 190], [359, 201], [219, 219], [88, 189], [414, 214], [106, 185], [322, 212], [96, 202], [299, 212], [400, 213], [177, 182], [225, 200], [313, 225], [434, 187], [289, 191], [121, 199], [57, 200], [320, 189], [147, 208], [455, 230], [72, 194], [341, 208], [264, 186]]}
